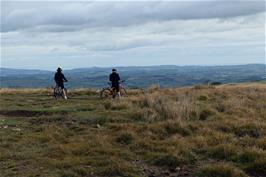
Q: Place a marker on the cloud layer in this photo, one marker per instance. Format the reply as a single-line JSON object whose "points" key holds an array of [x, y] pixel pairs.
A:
{"points": [[62, 16], [88, 34]]}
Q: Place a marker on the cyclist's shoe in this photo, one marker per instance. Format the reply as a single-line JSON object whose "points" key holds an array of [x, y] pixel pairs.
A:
{"points": [[65, 97]]}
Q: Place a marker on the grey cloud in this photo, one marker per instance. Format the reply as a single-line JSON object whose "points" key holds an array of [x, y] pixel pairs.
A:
{"points": [[71, 16]]}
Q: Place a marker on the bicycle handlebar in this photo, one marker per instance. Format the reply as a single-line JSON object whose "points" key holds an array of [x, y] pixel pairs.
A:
{"points": [[122, 81]]}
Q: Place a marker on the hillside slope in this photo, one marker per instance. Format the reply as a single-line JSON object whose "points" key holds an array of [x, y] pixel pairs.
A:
{"points": [[186, 132], [136, 77]]}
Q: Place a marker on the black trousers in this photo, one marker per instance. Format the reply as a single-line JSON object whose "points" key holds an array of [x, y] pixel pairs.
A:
{"points": [[116, 86], [60, 84]]}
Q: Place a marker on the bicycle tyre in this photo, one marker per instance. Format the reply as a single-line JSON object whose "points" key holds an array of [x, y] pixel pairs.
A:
{"points": [[105, 93], [58, 92], [123, 92], [55, 94]]}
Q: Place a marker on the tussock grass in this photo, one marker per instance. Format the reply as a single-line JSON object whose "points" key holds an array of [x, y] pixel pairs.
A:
{"points": [[216, 131], [220, 170]]}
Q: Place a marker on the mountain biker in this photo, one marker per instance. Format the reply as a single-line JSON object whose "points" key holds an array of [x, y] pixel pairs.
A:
{"points": [[114, 78], [60, 79]]}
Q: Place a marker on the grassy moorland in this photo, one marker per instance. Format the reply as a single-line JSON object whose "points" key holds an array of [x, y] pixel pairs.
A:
{"points": [[193, 132]]}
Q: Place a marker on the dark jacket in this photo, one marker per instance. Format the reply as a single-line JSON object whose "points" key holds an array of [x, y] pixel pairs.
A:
{"points": [[59, 77], [114, 78]]}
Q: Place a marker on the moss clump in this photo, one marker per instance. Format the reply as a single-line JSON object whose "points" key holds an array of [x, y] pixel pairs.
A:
{"points": [[125, 138], [167, 160]]}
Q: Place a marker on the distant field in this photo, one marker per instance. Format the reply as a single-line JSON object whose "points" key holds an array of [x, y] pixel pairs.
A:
{"points": [[136, 77], [197, 131]]}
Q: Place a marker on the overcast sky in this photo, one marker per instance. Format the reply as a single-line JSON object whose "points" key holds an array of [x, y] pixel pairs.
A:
{"points": [[47, 34]]}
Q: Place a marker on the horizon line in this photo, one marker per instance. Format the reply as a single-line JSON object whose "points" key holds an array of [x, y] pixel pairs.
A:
{"points": [[102, 67]]}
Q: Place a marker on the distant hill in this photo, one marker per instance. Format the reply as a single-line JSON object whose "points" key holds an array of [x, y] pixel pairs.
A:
{"points": [[136, 77], [17, 72]]}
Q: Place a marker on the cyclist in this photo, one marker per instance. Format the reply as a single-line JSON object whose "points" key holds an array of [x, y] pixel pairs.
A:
{"points": [[60, 79], [114, 78]]}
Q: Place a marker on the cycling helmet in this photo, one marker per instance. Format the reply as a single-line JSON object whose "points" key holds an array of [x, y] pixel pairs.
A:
{"points": [[59, 69], [114, 70]]}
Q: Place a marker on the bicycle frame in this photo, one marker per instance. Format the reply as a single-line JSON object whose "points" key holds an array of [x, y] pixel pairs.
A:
{"points": [[121, 85], [112, 90]]}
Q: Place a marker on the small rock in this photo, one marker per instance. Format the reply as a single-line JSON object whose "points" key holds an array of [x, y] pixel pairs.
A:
{"points": [[16, 129], [5, 126], [98, 126], [166, 173], [173, 170], [178, 169], [185, 172]]}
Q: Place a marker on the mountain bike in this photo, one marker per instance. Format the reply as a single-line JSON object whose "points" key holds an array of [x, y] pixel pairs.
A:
{"points": [[110, 92]]}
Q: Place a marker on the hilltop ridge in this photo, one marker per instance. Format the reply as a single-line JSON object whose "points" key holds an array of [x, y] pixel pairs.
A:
{"points": [[196, 131], [137, 77]]}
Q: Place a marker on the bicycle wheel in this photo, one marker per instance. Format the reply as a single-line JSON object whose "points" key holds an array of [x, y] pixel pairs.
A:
{"points": [[55, 92], [61, 93], [106, 93], [123, 92], [58, 92]]}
